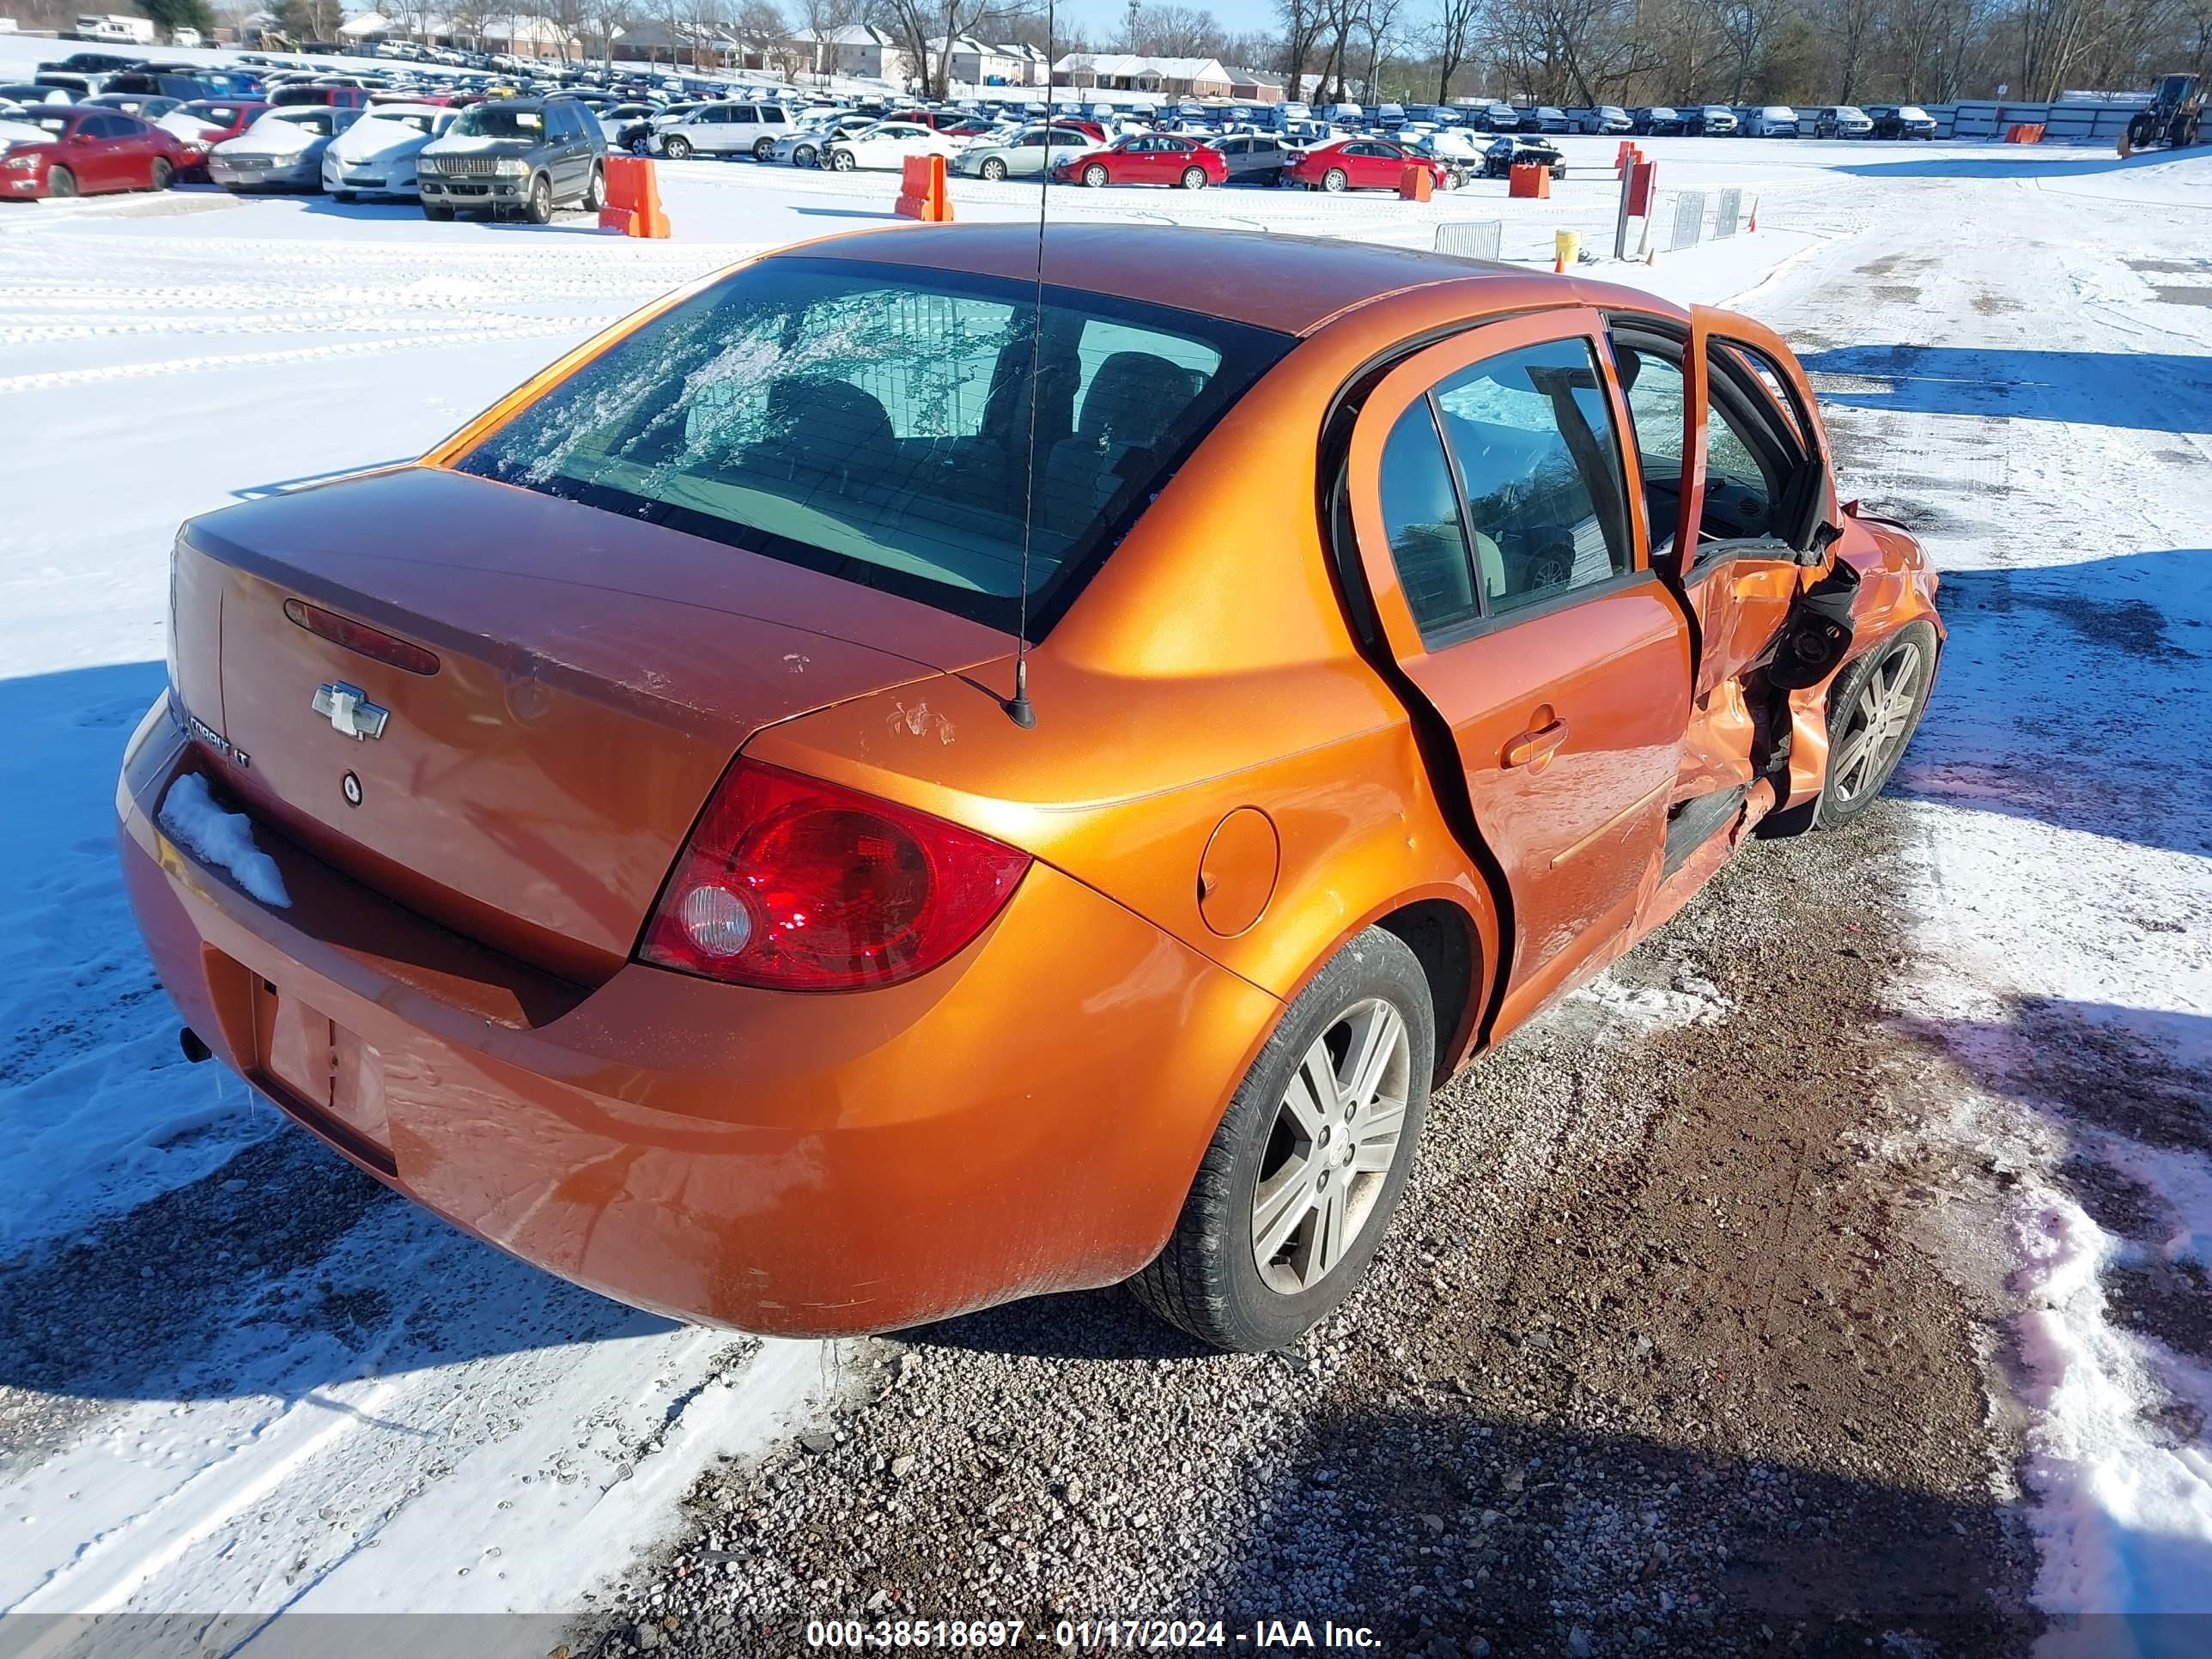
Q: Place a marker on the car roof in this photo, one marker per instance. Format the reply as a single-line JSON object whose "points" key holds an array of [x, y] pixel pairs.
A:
{"points": [[1292, 284]]}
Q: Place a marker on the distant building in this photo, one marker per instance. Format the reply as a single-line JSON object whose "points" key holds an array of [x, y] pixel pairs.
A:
{"points": [[1255, 86], [859, 50], [1125, 71]]}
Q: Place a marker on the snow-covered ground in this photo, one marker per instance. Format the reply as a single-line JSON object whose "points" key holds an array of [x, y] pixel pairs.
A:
{"points": [[282, 1391]]}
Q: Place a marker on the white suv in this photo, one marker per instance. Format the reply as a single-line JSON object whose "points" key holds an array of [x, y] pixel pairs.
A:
{"points": [[727, 129]]}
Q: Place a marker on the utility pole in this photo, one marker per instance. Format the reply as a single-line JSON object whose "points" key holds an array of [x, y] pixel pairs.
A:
{"points": [[1135, 6]]}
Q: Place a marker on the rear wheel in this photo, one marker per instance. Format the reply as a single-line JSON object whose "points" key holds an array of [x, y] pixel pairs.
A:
{"points": [[1872, 715], [1095, 174], [1334, 181], [60, 181], [993, 169], [538, 206], [763, 149], [675, 149], [158, 175], [1194, 178], [1293, 1196]]}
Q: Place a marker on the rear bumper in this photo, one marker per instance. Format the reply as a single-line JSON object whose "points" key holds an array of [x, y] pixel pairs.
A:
{"points": [[1025, 1119]]}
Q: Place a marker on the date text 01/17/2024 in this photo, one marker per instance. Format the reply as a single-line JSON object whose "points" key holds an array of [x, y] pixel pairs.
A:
{"points": [[1089, 1635]]}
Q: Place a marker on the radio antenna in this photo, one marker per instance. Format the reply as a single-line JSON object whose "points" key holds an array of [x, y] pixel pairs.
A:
{"points": [[1017, 706]]}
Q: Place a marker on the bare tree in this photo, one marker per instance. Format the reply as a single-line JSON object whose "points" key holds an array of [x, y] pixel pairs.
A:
{"points": [[1449, 37], [917, 23], [1303, 22]]}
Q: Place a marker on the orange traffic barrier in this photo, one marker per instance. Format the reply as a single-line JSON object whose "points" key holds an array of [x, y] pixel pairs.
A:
{"points": [[1628, 152], [1529, 179], [2024, 132], [1416, 183], [921, 191], [633, 206]]}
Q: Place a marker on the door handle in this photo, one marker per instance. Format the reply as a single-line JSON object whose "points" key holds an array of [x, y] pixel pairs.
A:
{"points": [[1535, 749]]}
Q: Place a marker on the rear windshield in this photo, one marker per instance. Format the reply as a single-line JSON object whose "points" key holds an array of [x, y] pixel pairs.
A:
{"points": [[875, 422]]}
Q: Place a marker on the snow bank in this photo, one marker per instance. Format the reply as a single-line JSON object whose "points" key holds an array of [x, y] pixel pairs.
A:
{"points": [[223, 839]]}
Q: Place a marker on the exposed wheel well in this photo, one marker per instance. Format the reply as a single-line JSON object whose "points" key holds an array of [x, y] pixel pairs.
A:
{"points": [[1439, 934]]}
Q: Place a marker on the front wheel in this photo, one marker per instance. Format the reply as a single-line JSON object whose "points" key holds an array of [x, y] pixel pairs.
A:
{"points": [[1194, 178], [1334, 181], [993, 169], [537, 208], [805, 156], [438, 212], [841, 160], [1872, 715], [1293, 1196], [1095, 175], [595, 193], [342, 197], [60, 181], [676, 148]]}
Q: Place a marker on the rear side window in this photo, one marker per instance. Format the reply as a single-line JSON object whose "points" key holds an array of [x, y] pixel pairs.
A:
{"points": [[1420, 519], [879, 422], [1532, 438]]}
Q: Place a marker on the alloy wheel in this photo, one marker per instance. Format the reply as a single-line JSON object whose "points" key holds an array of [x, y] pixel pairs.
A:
{"points": [[995, 169], [1331, 1146], [1880, 720], [1335, 180], [1094, 175]]}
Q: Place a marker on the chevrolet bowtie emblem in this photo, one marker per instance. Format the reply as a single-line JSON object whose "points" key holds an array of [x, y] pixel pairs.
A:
{"points": [[350, 711]]}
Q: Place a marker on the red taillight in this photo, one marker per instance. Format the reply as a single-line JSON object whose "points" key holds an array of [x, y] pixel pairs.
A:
{"points": [[800, 885], [361, 637]]}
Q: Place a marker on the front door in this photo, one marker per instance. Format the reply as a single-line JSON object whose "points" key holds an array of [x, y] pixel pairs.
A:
{"points": [[1726, 451], [1495, 507]]}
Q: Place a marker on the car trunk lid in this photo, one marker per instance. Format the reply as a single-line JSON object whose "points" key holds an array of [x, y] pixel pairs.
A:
{"points": [[595, 676]]}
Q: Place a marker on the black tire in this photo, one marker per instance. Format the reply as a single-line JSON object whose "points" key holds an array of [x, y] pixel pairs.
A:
{"points": [[805, 156], [344, 198], [1334, 181], [1843, 798], [1207, 1280], [1095, 176], [1194, 179], [675, 149], [841, 160], [538, 206], [60, 181], [437, 210], [159, 175], [993, 169], [595, 193], [763, 149]]}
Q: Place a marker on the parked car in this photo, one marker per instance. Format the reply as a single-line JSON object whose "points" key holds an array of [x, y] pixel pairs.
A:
{"points": [[526, 156], [56, 149], [1901, 121], [1548, 117], [1256, 158], [706, 1052], [154, 84], [93, 63], [1709, 120], [145, 105], [887, 144], [281, 150], [23, 94], [1772, 121], [299, 94], [376, 155], [1836, 121], [1605, 119], [1024, 155], [727, 129], [1659, 120], [1362, 164], [1456, 148], [1146, 158], [1510, 150], [802, 148], [202, 124], [626, 125], [1494, 116]]}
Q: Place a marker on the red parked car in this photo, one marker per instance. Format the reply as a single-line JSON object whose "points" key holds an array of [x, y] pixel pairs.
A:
{"points": [[86, 151], [210, 121], [1147, 158], [1361, 164], [336, 97]]}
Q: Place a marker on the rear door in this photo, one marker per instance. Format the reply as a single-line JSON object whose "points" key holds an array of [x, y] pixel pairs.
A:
{"points": [[1494, 504]]}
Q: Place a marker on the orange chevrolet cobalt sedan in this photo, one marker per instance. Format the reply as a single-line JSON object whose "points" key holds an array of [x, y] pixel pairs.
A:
{"points": [[883, 785]]}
